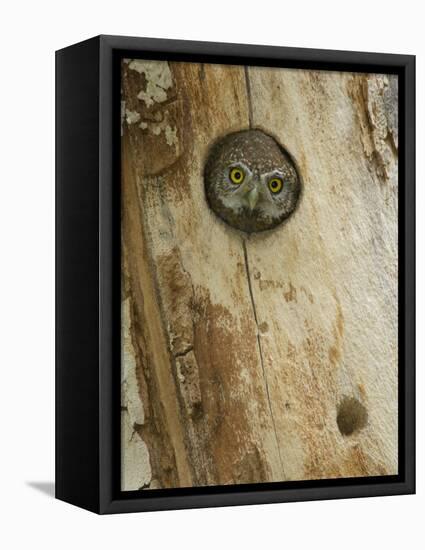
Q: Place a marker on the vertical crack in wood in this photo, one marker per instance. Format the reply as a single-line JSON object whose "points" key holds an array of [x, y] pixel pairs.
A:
{"points": [[266, 384], [248, 91]]}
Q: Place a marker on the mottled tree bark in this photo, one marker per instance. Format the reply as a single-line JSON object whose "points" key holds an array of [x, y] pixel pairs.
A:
{"points": [[270, 357]]}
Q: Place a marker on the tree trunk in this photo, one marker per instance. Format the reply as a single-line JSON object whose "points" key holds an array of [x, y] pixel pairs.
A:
{"points": [[271, 357]]}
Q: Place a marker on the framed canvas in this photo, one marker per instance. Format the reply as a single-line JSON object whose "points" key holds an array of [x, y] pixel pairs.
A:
{"points": [[235, 274]]}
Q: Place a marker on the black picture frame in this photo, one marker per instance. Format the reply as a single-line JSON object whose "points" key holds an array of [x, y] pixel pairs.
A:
{"points": [[88, 274]]}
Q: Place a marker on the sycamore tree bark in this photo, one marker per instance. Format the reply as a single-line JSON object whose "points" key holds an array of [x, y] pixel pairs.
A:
{"points": [[271, 357]]}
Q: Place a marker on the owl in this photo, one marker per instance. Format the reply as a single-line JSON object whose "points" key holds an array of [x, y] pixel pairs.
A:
{"points": [[251, 183]]}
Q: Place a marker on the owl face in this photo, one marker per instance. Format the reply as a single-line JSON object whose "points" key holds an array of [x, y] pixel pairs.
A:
{"points": [[250, 182]]}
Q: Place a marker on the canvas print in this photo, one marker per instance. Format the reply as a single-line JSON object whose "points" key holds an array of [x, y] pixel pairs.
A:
{"points": [[259, 274]]}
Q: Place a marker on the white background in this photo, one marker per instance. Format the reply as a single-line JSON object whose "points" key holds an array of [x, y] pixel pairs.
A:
{"points": [[29, 34]]}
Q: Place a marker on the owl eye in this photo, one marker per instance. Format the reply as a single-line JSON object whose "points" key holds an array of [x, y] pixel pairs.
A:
{"points": [[275, 185], [237, 175]]}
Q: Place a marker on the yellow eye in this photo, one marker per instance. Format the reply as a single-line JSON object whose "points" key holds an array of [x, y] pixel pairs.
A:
{"points": [[275, 185], [237, 175]]}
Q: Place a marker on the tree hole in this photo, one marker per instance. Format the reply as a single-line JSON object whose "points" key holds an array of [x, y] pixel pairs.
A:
{"points": [[351, 416]]}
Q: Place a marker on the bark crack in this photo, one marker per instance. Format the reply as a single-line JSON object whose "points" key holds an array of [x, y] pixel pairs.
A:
{"points": [[248, 91], [260, 350], [183, 353]]}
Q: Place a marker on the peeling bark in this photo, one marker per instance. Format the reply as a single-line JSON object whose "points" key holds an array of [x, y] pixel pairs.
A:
{"points": [[272, 357]]}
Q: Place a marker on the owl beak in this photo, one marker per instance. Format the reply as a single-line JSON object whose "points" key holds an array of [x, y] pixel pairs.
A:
{"points": [[252, 198]]}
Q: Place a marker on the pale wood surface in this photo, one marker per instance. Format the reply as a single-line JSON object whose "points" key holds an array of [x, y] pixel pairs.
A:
{"points": [[239, 352]]}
